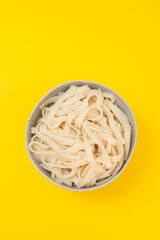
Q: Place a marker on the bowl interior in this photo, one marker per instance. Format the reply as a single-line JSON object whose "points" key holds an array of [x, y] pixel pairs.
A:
{"points": [[36, 114]]}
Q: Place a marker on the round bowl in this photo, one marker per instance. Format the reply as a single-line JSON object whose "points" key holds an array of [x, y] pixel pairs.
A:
{"points": [[36, 114]]}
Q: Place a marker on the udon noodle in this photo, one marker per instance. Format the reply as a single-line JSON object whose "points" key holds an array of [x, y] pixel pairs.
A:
{"points": [[82, 138]]}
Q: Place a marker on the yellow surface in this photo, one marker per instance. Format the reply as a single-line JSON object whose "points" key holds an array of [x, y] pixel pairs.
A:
{"points": [[45, 43]]}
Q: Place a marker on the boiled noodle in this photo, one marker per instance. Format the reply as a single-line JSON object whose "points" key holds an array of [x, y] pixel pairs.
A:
{"points": [[82, 137]]}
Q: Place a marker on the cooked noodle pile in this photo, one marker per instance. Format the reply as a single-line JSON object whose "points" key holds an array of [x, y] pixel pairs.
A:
{"points": [[82, 137]]}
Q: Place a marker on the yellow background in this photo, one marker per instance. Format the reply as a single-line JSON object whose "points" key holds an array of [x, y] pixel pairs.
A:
{"points": [[43, 44]]}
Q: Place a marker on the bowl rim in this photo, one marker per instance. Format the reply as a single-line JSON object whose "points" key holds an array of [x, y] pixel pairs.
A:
{"points": [[112, 178]]}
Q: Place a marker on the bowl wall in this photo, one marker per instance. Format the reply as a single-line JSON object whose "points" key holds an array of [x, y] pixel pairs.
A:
{"points": [[36, 114]]}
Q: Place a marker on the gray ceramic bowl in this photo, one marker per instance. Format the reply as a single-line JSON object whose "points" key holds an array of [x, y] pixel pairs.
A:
{"points": [[36, 113]]}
